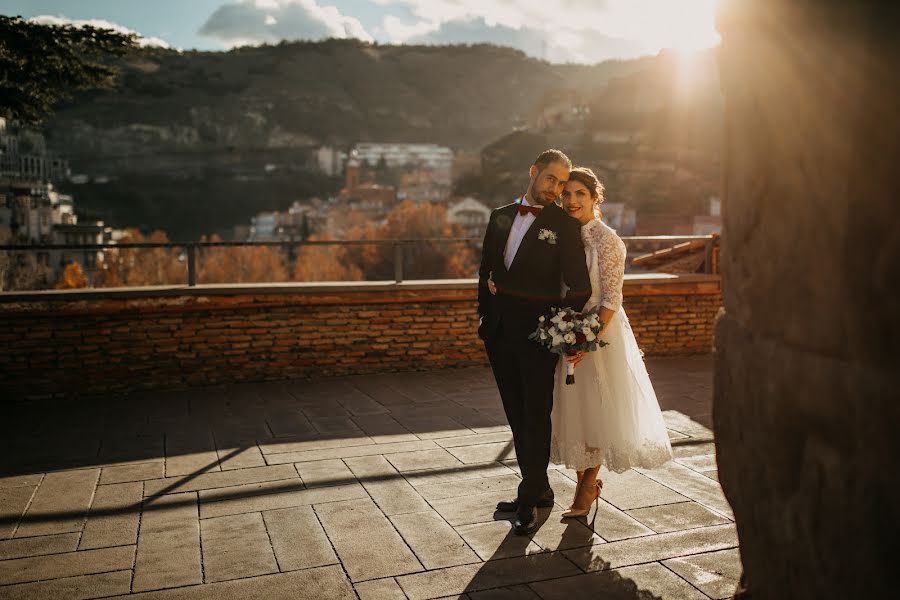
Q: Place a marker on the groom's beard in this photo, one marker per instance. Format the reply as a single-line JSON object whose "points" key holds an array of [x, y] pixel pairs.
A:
{"points": [[537, 197]]}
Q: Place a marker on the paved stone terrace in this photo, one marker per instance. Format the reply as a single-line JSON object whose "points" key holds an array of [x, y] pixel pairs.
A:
{"points": [[376, 487]]}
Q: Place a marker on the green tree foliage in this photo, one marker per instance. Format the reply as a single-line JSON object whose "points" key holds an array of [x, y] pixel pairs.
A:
{"points": [[42, 65]]}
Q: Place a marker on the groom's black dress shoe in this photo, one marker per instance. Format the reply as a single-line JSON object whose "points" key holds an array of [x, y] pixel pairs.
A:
{"points": [[526, 521], [545, 500]]}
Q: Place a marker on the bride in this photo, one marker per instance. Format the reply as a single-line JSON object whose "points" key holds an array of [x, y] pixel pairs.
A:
{"points": [[610, 415]]}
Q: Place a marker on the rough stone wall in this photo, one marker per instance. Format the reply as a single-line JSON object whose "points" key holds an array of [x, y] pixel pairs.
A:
{"points": [[807, 407], [90, 343]]}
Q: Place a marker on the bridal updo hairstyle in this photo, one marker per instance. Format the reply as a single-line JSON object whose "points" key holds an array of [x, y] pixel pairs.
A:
{"points": [[586, 177]]}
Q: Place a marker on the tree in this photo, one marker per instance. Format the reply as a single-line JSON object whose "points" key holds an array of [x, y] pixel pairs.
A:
{"points": [[42, 65], [21, 270], [72, 277], [119, 267], [326, 263], [240, 264]]}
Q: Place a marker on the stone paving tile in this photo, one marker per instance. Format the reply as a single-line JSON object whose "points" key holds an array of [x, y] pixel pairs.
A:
{"points": [[349, 452], [235, 547], [496, 539], [431, 427], [120, 447], [13, 502], [63, 498], [38, 568], [390, 491], [475, 439], [219, 479], [630, 583], [436, 458], [633, 490], [715, 573], [675, 517], [20, 481], [168, 551], [433, 541], [380, 589], [653, 548], [271, 496], [516, 592], [238, 457], [383, 429], [114, 516], [135, 472], [324, 408], [286, 423], [311, 584], [454, 489], [557, 533], [484, 452], [312, 442], [190, 452], [359, 404], [335, 426], [492, 574], [81, 587], [714, 475], [701, 462], [613, 524], [320, 473], [477, 508], [298, 538], [683, 424], [693, 485], [459, 474], [37, 546], [384, 553], [687, 450]]}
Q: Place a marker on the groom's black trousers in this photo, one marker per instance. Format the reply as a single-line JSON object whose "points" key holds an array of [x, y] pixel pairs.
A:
{"points": [[525, 374]]}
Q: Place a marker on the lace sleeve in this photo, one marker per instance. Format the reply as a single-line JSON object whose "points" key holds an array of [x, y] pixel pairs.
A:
{"points": [[611, 259]]}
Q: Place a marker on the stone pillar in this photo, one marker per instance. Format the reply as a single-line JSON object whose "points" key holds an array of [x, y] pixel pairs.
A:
{"points": [[807, 408]]}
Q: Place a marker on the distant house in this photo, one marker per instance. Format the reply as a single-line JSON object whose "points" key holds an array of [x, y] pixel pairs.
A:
{"points": [[470, 215]]}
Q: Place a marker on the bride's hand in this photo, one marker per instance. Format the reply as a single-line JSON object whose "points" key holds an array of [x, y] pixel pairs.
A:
{"points": [[576, 358]]}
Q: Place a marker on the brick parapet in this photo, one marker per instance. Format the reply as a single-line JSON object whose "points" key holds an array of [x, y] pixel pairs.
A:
{"points": [[101, 341]]}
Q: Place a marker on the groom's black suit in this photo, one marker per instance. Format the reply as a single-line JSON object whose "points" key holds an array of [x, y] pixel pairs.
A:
{"points": [[531, 286]]}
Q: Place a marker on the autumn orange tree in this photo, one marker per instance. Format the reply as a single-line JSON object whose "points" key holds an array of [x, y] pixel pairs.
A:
{"points": [[72, 277], [326, 262], [141, 266], [240, 264]]}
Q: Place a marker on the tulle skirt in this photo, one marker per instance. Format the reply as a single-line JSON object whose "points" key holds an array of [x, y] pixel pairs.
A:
{"points": [[610, 415]]}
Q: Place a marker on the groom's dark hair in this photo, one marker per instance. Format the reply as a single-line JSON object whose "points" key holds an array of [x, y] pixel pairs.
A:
{"points": [[551, 156]]}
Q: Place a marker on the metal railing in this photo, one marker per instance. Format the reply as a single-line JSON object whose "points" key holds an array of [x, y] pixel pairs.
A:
{"points": [[401, 247]]}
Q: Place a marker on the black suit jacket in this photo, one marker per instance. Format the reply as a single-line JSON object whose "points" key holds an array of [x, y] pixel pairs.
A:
{"points": [[532, 285]]}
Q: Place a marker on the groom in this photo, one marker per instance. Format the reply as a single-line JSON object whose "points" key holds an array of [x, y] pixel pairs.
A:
{"points": [[530, 248]]}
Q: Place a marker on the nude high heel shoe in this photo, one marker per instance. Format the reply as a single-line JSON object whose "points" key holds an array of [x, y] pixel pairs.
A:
{"points": [[583, 512]]}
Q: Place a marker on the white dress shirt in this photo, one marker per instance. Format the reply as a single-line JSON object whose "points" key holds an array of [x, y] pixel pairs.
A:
{"points": [[520, 226]]}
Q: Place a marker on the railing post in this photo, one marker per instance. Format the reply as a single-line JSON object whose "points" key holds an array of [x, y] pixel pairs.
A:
{"points": [[398, 262], [192, 264], [707, 258]]}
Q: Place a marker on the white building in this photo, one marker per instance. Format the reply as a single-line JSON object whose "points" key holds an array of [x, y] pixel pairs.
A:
{"points": [[471, 216], [427, 156]]}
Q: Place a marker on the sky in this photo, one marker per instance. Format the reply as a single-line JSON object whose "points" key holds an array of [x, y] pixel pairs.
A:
{"points": [[580, 31]]}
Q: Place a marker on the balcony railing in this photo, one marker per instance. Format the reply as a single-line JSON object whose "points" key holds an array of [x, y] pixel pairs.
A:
{"points": [[401, 250]]}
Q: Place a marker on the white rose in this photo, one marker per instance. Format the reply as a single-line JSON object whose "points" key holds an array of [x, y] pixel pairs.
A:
{"points": [[557, 340], [589, 336], [553, 331], [540, 319], [569, 338]]}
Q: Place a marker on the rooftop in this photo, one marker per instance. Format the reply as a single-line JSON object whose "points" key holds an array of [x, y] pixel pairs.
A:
{"points": [[372, 486]]}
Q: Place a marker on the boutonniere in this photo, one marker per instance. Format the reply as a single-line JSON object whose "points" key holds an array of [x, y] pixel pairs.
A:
{"points": [[546, 234]]}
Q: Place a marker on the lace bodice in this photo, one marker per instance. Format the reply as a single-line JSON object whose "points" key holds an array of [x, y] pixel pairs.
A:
{"points": [[605, 253]]}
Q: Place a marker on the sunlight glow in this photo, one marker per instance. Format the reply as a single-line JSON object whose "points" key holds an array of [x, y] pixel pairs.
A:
{"points": [[682, 25]]}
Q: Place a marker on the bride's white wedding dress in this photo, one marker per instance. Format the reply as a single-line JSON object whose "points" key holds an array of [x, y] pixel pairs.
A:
{"points": [[610, 415]]}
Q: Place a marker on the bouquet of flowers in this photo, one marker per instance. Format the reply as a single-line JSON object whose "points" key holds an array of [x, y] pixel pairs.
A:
{"points": [[566, 332]]}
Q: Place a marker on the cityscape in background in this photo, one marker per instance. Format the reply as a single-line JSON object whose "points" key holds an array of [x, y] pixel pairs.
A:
{"points": [[78, 181]]}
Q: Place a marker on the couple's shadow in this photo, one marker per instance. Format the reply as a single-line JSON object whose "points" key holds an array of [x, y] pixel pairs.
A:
{"points": [[534, 566]]}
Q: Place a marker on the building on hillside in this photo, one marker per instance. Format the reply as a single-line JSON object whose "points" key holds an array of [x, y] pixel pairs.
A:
{"points": [[428, 156], [470, 215], [330, 160], [24, 156]]}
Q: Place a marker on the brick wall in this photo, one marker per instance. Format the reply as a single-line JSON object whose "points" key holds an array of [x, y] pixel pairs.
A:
{"points": [[65, 343]]}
